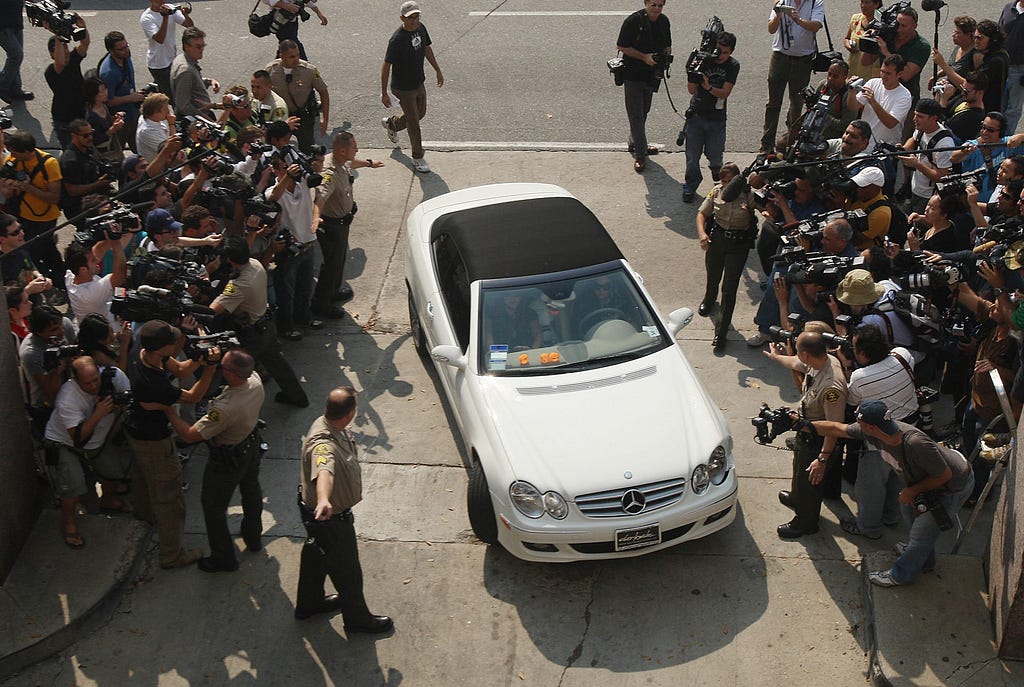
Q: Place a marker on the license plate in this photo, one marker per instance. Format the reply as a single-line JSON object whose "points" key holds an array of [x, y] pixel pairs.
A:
{"points": [[638, 537]]}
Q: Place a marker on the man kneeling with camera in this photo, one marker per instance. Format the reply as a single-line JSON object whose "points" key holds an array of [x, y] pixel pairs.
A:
{"points": [[938, 480]]}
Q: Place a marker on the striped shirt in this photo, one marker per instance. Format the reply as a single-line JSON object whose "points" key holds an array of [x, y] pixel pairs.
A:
{"points": [[886, 381]]}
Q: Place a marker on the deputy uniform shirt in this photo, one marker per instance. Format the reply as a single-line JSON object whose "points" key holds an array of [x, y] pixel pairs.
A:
{"points": [[233, 414], [326, 448], [919, 456], [737, 215], [245, 296], [297, 91], [824, 392], [334, 194]]}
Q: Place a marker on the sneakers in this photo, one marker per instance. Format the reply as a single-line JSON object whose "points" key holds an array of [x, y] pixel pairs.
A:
{"points": [[420, 164], [883, 578], [757, 340], [688, 195], [392, 134]]}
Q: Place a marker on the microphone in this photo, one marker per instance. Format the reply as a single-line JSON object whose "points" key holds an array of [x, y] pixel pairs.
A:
{"points": [[143, 207], [734, 188]]}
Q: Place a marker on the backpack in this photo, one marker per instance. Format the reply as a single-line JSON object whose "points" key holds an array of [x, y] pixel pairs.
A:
{"points": [[899, 225], [952, 140]]}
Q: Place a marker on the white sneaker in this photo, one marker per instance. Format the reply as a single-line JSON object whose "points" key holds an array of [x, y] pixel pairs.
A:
{"points": [[420, 163], [883, 578], [757, 340], [392, 134]]}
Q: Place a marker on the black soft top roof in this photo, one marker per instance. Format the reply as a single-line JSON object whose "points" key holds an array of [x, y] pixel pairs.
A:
{"points": [[526, 237]]}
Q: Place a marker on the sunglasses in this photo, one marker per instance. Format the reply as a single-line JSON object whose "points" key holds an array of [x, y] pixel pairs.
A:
{"points": [[19, 230]]}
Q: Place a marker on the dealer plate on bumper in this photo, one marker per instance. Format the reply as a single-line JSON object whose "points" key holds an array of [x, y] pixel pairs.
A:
{"points": [[638, 537]]}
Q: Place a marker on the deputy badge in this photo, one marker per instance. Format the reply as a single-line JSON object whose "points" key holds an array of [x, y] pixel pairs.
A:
{"points": [[832, 395], [213, 415], [230, 289]]}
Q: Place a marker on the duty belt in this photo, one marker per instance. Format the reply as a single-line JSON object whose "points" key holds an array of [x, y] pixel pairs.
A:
{"points": [[345, 221], [734, 234]]}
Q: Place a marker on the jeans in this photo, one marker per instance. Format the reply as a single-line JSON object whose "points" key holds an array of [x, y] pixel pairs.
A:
{"points": [[924, 532], [705, 136], [220, 478], [293, 282], [1014, 97], [724, 262], [767, 313], [638, 96], [784, 72], [414, 109], [878, 493], [12, 41]]}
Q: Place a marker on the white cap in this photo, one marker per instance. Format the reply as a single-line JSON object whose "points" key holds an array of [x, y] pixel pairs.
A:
{"points": [[869, 176], [410, 8]]}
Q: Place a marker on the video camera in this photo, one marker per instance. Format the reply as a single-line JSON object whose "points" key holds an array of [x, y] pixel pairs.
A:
{"points": [[813, 227], [152, 303], [224, 190], [265, 210], [931, 502], [6, 119], [207, 129], [700, 60], [282, 17], [119, 398], [110, 226], [54, 15], [289, 155], [956, 184], [168, 9], [58, 351], [882, 28], [770, 424], [200, 347]]}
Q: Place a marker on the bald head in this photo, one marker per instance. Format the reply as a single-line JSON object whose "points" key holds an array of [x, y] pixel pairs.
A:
{"points": [[86, 374], [812, 344], [341, 403]]}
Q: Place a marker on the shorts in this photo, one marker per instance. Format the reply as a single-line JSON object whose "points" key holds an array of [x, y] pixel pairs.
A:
{"points": [[67, 478]]}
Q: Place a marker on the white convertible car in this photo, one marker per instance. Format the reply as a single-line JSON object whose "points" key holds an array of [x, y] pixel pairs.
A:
{"points": [[588, 432]]}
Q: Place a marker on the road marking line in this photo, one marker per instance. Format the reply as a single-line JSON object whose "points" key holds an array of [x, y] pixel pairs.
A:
{"points": [[552, 13]]}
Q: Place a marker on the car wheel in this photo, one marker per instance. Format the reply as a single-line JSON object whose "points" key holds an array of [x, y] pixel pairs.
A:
{"points": [[419, 340], [481, 510]]}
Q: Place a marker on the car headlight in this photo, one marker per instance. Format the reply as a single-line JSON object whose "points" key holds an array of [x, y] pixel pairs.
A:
{"points": [[718, 465], [701, 479], [555, 505], [527, 499]]}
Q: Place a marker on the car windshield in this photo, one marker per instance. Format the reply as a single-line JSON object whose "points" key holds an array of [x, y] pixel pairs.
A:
{"points": [[564, 325]]}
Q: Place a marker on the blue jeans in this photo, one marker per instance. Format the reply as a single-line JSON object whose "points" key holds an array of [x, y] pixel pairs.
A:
{"points": [[767, 313], [924, 532], [1014, 97], [878, 493], [293, 284], [705, 136], [12, 42]]}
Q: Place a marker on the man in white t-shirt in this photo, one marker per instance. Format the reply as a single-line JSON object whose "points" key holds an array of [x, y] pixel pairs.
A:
{"points": [[88, 292], [886, 102], [928, 167], [158, 23], [156, 122]]}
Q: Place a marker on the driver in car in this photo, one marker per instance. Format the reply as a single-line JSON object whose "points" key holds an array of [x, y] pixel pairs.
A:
{"points": [[599, 295], [511, 322]]}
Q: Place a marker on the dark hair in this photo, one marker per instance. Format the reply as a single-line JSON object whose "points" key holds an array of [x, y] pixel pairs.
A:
{"points": [[812, 344], [248, 134], [862, 127], [965, 24], [6, 221], [977, 79], [343, 138], [287, 44], [951, 205], [842, 64], [51, 43], [999, 117], [21, 142], [112, 39], [93, 329], [261, 74], [91, 89], [42, 318], [13, 293], [236, 250], [870, 340], [75, 124], [340, 402], [277, 130], [1013, 187], [76, 256], [910, 12], [190, 34], [879, 264], [727, 39], [192, 217], [995, 33], [239, 361], [894, 61]]}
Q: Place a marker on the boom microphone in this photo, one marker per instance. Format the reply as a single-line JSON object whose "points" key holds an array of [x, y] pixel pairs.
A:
{"points": [[734, 188]]}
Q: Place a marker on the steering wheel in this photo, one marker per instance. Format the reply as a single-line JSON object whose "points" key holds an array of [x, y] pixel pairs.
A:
{"points": [[598, 316]]}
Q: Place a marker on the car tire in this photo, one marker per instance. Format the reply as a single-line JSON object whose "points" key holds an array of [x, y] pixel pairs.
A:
{"points": [[419, 339], [479, 506]]}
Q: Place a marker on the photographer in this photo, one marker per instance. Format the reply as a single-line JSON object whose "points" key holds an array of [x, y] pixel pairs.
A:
{"points": [[706, 116], [287, 16], [886, 103], [868, 196], [244, 301], [16, 266], [930, 470], [793, 25], [928, 167], [88, 292], [35, 201], [230, 428], [76, 436], [155, 126], [909, 46], [82, 170], [823, 396], [644, 38], [64, 77], [47, 328], [238, 111], [871, 304], [159, 24], [967, 113], [156, 470], [834, 87], [883, 374], [971, 156]]}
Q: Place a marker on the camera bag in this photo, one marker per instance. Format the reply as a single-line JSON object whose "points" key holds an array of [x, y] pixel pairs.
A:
{"points": [[823, 60], [259, 24]]}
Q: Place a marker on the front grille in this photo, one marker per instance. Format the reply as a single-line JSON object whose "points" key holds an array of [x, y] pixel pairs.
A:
{"points": [[608, 504]]}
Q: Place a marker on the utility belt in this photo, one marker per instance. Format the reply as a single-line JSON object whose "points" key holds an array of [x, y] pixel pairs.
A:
{"points": [[230, 455], [257, 326], [308, 515], [310, 109], [346, 220], [718, 231], [303, 248]]}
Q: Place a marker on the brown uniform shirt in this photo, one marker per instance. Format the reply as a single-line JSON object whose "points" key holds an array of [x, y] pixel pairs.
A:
{"points": [[299, 90], [325, 448], [232, 416], [245, 296], [334, 195], [737, 215], [824, 393]]}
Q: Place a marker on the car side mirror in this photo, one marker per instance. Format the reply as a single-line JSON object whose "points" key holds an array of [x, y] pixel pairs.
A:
{"points": [[678, 319], [450, 355]]}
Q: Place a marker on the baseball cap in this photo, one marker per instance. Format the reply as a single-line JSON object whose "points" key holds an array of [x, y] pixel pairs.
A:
{"points": [[929, 106], [410, 8], [130, 163], [876, 413], [1013, 258], [869, 176], [160, 220], [156, 334]]}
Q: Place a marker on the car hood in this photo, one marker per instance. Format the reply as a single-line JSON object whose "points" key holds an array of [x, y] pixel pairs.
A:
{"points": [[581, 432]]}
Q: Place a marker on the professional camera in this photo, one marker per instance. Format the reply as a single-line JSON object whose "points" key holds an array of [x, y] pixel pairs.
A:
{"points": [[701, 59], [662, 64], [882, 28], [54, 15], [956, 184], [150, 88], [119, 398], [282, 17], [206, 129], [56, 352], [6, 119], [291, 246], [180, 7], [223, 191], [109, 226], [200, 347], [8, 171], [289, 156], [810, 140], [942, 273], [769, 424], [152, 303], [931, 502], [813, 227], [265, 210], [169, 274]]}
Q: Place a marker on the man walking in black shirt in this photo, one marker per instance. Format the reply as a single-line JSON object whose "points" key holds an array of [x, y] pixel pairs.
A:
{"points": [[64, 77]]}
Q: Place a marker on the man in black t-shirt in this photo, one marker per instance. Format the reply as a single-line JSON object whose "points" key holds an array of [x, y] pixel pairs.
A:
{"points": [[403, 64], [80, 168], [705, 123], [64, 77], [156, 470], [645, 37]]}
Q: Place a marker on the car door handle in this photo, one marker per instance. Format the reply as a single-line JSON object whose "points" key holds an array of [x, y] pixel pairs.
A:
{"points": [[430, 310]]}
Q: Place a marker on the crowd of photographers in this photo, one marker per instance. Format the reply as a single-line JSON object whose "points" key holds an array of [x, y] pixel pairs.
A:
{"points": [[201, 223]]}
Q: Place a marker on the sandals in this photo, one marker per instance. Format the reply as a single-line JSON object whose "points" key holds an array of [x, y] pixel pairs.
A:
{"points": [[73, 539], [850, 527]]}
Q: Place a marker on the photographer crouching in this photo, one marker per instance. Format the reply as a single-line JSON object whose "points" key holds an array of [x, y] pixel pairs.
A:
{"points": [[938, 481], [823, 397]]}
